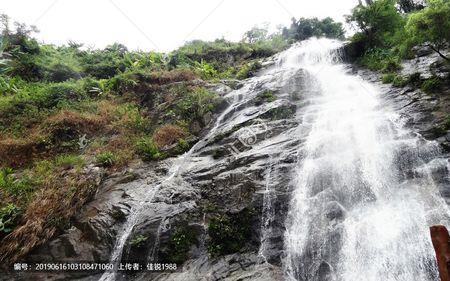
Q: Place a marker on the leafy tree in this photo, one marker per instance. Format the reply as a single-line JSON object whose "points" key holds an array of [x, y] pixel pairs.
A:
{"points": [[331, 29], [105, 63], [21, 48], [256, 34], [305, 28], [431, 25], [376, 20]]}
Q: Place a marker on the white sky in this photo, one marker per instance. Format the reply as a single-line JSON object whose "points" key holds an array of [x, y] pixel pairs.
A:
{"points": [[161, 25]]}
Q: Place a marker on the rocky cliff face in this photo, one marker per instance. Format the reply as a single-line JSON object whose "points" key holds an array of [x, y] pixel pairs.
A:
{"points": [[222, 213]]}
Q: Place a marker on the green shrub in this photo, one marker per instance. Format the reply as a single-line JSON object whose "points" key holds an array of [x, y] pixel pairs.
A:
{"points": [[104, 63], [391, 64], [9, 216], [138, 241], [60, 72], [399, 81], [122, 83], [148, 150], [229, 233], [43, 170], [180, 243], [431, 85], [69, 161], [218, 53], [388, 78], [194, 104], [13, 186], [380, 59], [183, 145], [221, 58], [206, 70], [265, 96], [133, 115], [106, 159], [248, 70], [10, 85], [6, 178]]}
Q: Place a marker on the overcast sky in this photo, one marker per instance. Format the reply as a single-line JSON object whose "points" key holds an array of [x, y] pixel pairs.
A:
{"points": [[161, 25]]}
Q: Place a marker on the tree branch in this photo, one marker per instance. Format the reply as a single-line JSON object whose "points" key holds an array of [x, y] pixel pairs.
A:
{"points": [[437, 51]]}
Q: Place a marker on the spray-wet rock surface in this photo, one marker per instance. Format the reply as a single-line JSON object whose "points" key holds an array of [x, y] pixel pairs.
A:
{"points": [[224, 210]]}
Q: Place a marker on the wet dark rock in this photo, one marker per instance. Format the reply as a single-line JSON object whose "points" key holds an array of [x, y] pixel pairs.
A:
{"points": [[422, 51], [233, 84], [334, 211], [324, 272], [353, 50]]}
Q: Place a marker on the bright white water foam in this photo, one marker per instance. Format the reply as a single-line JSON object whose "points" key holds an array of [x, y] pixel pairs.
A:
{"points": [[363, 196]]}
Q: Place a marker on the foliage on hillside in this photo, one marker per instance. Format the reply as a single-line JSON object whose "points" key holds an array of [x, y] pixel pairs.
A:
{"points": [[388, 30], [65, 109], [305, 28]]}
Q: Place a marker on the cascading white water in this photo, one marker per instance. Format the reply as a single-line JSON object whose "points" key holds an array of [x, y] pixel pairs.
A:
{"points": [[363, 196]]}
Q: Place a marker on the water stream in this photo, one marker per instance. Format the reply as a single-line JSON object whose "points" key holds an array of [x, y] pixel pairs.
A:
{"points": [[363, 199]]}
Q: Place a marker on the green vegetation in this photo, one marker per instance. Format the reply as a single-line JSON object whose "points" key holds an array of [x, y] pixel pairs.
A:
{"points": [[389, 29], [13, 186], [378, 23], [138, 241], [106, 159], [399, 81], [224, 59], [229, 233], [180, 243], [388, 78], [69, 161], [304, 28], [431, 85], [431, 25], [248, 70], [148, 150], [265, 96], [8, 218]]}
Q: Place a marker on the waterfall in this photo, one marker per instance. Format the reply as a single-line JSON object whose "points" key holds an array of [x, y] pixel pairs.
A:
{"points": [[363, 197]]}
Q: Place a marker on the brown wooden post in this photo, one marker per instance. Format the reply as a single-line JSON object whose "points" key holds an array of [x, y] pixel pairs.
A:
{"points": [[441, 243]]}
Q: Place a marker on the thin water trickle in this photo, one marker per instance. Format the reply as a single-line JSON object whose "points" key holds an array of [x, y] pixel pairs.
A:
{"points": [[360, 210], [268, 211]]}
